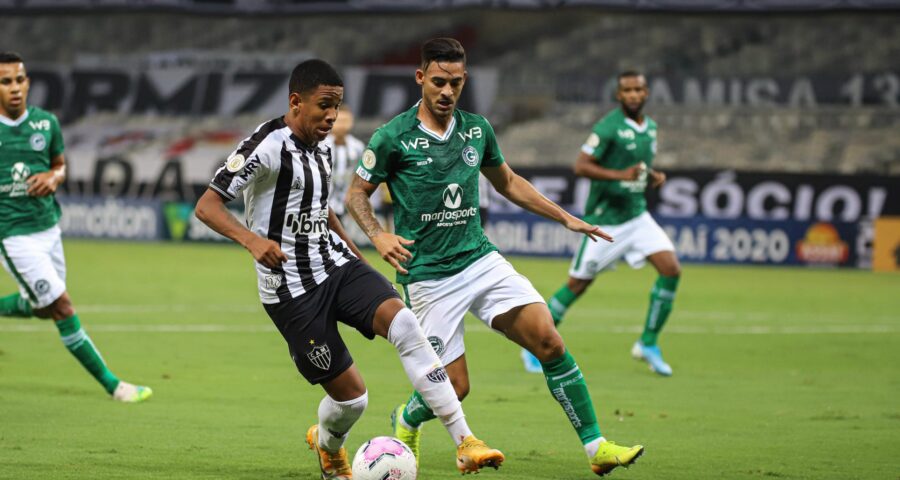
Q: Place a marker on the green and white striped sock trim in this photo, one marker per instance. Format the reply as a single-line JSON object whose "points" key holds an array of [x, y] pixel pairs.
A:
{"points": [[73, 341]]}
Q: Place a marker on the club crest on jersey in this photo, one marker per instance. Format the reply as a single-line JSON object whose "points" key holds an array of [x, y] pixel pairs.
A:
{"points": [[320, 355], [37, 141], [593, 140], [470, 156], [20, 172], [453, 195], [368, 159], [235, 163]]}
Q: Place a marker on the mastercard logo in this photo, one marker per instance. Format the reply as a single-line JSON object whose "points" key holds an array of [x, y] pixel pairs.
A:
{"points": [[823, 245]]}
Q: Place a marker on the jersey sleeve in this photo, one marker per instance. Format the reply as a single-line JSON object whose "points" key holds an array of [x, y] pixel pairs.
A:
{"points": [[238, 172], [493, 157], [375, 164], [598, 142], [56, 138]]}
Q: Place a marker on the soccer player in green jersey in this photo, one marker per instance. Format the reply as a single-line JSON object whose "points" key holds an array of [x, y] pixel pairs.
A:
{"points": [[430, 157], [32, 166], [617, 157]]}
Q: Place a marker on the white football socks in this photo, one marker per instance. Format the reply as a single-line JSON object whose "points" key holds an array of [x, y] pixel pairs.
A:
{"points": [[427, 373], [336, 419]]}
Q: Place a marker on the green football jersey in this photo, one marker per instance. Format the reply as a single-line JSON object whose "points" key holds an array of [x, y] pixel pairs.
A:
{"points": [[618, 142], [433, 181], [26, 147]]}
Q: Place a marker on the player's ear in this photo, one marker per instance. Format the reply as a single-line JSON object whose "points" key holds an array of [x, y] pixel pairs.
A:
{"points": [[420, 76], [294, 101]]}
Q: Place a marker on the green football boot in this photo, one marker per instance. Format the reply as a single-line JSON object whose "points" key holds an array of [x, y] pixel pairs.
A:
{"points": [[610, 456], [410, 437]]}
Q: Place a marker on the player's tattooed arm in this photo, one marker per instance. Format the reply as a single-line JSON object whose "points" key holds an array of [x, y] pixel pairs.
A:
{"points": [[521, 192], [392, 248], [211, 211], [359, 205]]}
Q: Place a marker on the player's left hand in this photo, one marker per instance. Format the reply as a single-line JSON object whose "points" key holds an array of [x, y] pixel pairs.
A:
{"points": [[592, 231], [657, 178], [42, 184]]}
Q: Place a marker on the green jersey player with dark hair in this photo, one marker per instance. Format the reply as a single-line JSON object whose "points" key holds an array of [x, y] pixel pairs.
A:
{"points": [[32, 166], [430, 158], [617, 157]]}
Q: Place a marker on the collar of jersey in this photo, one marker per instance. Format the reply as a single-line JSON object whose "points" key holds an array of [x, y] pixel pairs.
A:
{"points": [[411, 121], [14, 123], [446, 135], [303, 147], [639, 128]]}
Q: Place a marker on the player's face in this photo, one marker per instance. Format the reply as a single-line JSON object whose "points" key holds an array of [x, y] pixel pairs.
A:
{"points": [[632, 93], [442, 83], [13, 89], [316, 111]]}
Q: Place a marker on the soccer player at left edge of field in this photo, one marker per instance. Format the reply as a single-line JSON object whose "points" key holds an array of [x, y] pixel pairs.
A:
{"points": [[32, 166]]}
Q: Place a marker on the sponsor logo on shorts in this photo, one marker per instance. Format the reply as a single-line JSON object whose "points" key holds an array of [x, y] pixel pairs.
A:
{"points": [[320, 355], [438, 375], [437, 344], [38, 142], [42, 287]]}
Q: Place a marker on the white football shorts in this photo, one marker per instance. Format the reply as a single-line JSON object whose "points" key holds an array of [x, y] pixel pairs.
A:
{"points": [[487, 288], [634, 240], [37, 264]]}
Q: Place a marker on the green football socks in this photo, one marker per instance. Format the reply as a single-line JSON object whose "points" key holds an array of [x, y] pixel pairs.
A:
{"points": [[560, 302], [417, 411], [77, 341], [566, 383], [14, 305], [661, 298]]}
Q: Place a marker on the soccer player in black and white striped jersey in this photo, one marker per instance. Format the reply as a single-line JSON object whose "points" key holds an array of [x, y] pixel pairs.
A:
{"points": [[311, 275]]}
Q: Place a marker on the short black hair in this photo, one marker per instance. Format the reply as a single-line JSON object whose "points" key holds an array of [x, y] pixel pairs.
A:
{"points": [[628, 74], [10, 57], [442, 50], [310, 74]]}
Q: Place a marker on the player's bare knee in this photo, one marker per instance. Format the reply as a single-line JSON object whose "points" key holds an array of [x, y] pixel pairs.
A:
{"points": [[549, 347], [62, 308]]}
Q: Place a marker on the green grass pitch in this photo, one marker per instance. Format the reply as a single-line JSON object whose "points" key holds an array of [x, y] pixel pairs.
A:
{"points": [[779, 373]]}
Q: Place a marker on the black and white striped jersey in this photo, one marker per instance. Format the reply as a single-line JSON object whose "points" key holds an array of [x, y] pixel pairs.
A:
{"points": [[344, 158], [286, 185]]}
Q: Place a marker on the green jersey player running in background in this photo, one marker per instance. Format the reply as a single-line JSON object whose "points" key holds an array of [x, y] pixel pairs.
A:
{"points": [[617, 157], [32, 166], [430, 157]]}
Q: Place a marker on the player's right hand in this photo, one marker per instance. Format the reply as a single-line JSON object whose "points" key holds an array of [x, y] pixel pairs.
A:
{"points": [[632, 173], [266, 252], [392, 250]]}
